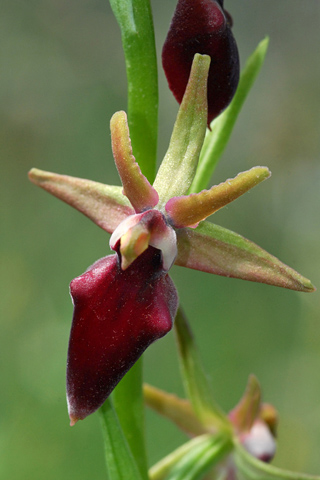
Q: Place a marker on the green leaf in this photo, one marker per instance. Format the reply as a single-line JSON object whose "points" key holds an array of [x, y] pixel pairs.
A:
{"points": [[131, 414], [249, 468], [193, 458], [179, 165], [195, 380], [135, 21], [196, 463], [120, 461], [215, 249], [217, 140]]}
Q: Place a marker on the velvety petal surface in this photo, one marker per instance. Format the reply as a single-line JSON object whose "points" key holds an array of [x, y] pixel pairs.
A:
{"points": [[215, 249], [105, 205], [202, 26], [117, 315], [136, 187]]}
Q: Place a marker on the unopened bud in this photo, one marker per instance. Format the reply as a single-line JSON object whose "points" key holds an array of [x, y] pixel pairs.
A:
{"points": [[202, 26]]}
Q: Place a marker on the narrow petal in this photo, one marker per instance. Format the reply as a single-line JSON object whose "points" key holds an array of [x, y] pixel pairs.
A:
{"points": [[189, 210], [117, 315], [176, 409], [245, 413], [214, 249], [103, 204], [136, 187], [179, 165]]}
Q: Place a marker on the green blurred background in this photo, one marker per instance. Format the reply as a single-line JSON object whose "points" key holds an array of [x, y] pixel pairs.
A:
{"points": [[62, 77]]}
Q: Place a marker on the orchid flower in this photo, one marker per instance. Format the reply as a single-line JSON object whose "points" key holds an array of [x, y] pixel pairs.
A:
{"points": [[221, 446], [252, 424], [125, 301]]}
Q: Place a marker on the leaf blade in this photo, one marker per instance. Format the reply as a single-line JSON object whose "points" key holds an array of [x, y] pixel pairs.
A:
{"points": [[120, 461]]}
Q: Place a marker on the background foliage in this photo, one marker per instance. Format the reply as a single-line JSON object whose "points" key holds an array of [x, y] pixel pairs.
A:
{"points": [[63, 76]]}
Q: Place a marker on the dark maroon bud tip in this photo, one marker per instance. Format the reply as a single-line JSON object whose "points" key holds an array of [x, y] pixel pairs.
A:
{"points": [[117, 315], [202, 26], [229, 18]]}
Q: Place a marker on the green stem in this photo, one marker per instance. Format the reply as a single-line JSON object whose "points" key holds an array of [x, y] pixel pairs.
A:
{"points": [[135, 20], [136, 24], [196, 383], [121, 464], [128, 402]]}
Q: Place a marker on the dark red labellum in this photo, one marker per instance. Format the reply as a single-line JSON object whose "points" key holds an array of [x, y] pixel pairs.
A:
{"points": [[117, 315], [202, 26]]}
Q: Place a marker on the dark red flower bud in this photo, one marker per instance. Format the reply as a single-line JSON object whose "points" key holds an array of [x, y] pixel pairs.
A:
{"points": [[202, 26], [117, 315]]}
